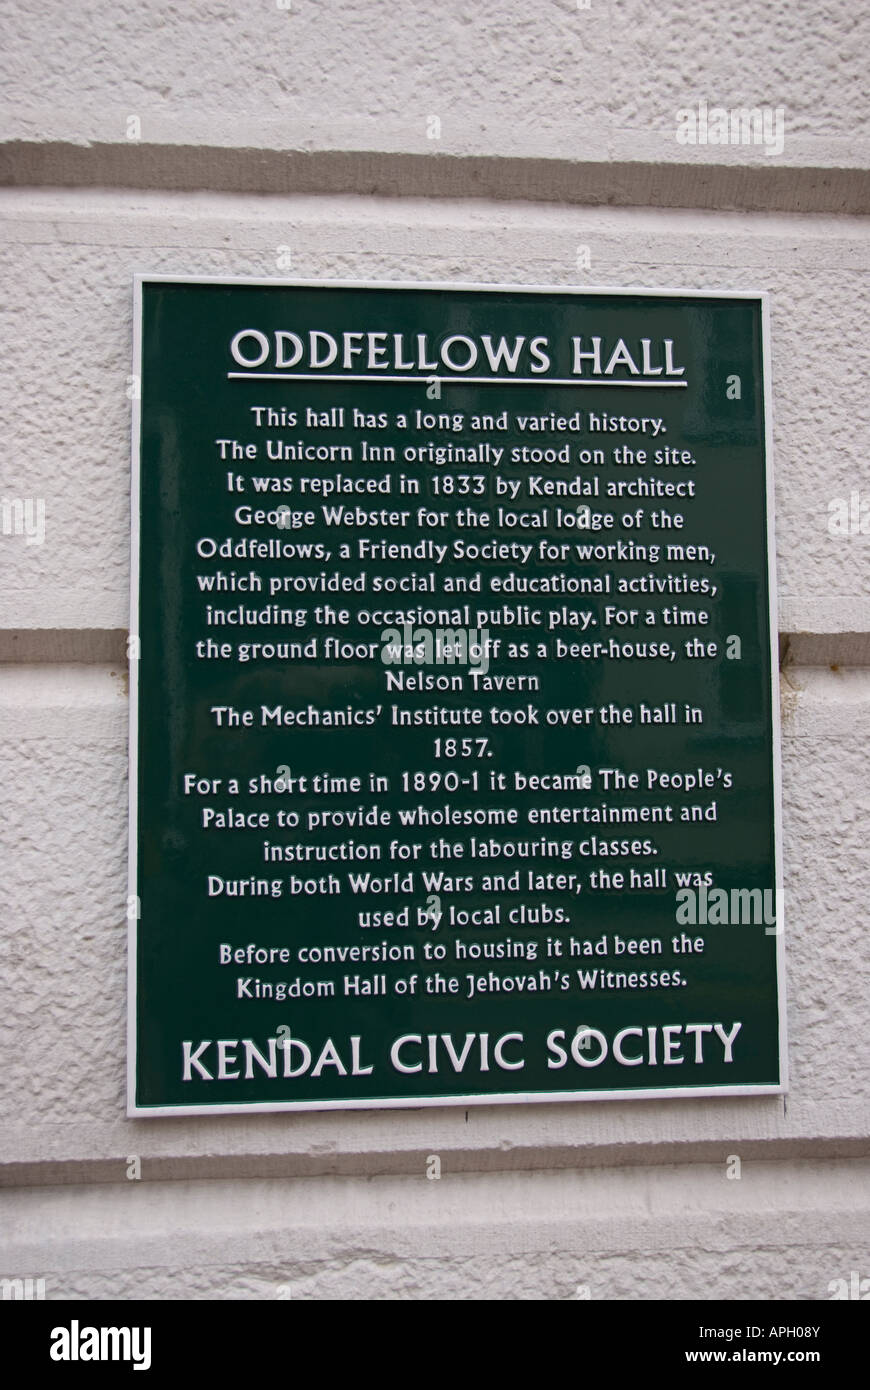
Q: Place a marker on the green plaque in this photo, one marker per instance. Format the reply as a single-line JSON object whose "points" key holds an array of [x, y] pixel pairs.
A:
{"points": [[454, 744]]}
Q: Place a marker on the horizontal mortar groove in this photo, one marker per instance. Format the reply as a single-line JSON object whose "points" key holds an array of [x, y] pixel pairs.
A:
{"points": [[747, 186], [410, 1164]]}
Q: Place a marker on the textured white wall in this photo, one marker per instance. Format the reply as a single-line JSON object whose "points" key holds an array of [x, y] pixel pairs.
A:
{"points": [[545, 111], [597, 88]]}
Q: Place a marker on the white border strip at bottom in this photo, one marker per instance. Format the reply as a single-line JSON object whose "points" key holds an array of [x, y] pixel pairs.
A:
{"points": [[427, 1102]]}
